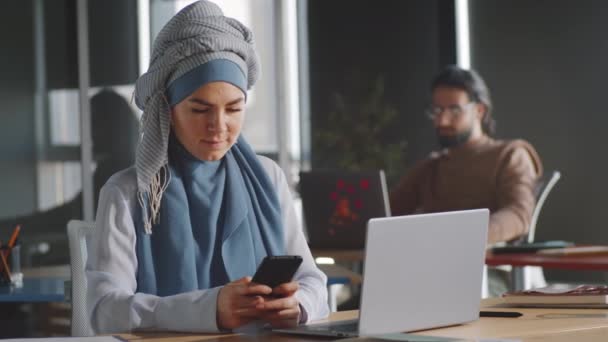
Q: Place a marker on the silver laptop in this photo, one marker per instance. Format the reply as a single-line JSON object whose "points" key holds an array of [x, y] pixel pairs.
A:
{"points": [[421, 271]]}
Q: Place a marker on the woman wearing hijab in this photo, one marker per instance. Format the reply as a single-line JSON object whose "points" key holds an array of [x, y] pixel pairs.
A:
{"points": [[178, 236]]}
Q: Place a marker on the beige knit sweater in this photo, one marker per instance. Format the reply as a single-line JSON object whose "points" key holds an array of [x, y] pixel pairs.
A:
{"points": [[485, 173]]}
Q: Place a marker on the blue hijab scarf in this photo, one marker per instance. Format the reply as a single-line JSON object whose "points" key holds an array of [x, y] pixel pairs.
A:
{"points": [[218, 219]]}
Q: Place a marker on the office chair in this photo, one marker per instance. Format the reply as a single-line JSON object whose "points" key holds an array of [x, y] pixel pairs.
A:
{"points": [[77, 234], [532, 276], [544, 187], [527, 277]]}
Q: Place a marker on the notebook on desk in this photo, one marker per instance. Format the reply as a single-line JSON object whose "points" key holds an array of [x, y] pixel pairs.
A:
{"points": [[560, 296], [421, 272], [338, 204]]}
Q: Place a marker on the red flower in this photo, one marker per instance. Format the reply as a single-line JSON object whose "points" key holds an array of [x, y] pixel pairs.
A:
{"points": [[340, 184], [358, 204], [364, 184]]}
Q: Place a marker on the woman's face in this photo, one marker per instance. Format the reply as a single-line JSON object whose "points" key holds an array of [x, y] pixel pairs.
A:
{"points": [[208, 122]]}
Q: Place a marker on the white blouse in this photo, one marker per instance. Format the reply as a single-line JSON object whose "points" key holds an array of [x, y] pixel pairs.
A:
{"points": [[114, 306]]}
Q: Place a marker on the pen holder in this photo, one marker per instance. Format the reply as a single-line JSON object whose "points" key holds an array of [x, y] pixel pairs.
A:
{"points": [[12, 256]]}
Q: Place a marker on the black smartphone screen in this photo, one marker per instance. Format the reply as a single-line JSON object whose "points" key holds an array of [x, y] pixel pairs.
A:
{"points": [[276, 270]]}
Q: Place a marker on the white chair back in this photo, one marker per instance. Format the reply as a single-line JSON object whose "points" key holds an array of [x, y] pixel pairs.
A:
{"points": [[77, 234], [543, 192]]}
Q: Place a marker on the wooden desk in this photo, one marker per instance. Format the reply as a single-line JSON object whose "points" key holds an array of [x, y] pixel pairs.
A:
{"points": [[567, 262], [540, 324], [536, 325], [598, 262]]}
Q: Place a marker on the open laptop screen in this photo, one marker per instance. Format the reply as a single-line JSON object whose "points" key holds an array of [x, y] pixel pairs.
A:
{"points": [[338, 204]]}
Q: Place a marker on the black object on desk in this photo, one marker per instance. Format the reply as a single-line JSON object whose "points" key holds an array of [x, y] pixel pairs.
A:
{"points": [[531, 247], [505, 314]]}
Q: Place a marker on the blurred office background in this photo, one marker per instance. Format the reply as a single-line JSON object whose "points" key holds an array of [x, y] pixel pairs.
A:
{"points": [[66, 64]]}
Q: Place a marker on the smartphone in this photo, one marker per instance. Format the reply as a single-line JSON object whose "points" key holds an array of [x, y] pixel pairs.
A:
{"points": [[276, 270]]}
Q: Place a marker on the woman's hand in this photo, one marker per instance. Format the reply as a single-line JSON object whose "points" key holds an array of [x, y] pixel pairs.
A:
{"points": [[237, 303], [282, 310]]}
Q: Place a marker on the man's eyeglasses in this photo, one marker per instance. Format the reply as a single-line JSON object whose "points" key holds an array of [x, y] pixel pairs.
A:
{"points": [[454, 111]]}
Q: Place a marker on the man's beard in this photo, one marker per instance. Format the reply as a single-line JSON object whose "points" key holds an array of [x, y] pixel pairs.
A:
{"points": [[449, 141]]}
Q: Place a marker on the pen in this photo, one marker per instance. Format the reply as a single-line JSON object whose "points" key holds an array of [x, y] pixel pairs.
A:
{"points": [[7, 270], [13, 239], [506, 314]]}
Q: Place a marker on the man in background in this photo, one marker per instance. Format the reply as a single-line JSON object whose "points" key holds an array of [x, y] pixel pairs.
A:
{"points": [[472, 169]]}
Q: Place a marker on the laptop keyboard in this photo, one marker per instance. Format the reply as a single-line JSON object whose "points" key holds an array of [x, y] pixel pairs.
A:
{"points": [[349, 327], [338, 327]]}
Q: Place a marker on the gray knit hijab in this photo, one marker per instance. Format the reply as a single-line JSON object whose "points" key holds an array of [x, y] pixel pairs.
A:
{"points": [[196, 35]]}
